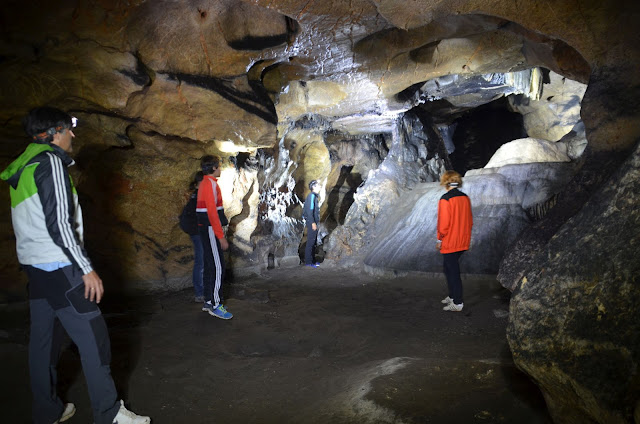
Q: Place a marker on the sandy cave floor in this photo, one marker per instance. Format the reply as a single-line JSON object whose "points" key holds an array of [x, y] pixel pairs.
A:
{"points": [[305, 346]]}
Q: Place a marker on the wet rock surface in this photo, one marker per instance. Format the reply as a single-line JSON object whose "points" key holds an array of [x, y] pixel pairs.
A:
{"points": [[305, 345]]}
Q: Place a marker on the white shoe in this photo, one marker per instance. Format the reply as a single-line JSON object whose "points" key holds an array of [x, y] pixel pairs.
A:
{"points": [[446, 300], [453, 307], [69, 410], [127, 417]]}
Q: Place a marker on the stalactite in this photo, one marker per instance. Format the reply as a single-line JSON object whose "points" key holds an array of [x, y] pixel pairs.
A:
{"points": [[538, 211]]}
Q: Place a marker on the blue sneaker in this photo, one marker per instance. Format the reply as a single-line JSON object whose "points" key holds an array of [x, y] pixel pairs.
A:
{"points": [[208, 307], [221, 312], [312, 265]]}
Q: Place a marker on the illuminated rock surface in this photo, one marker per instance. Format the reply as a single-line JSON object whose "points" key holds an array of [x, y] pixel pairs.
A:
{"points": [[374, 98]]}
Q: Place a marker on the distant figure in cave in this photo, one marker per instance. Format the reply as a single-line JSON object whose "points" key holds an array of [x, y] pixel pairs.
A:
{"points": [[64, 289], [189, 224], [311, 215], [454, 235], [211, 219]]}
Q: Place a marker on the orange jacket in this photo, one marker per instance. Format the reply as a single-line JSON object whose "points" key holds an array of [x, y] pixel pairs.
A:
{"points": [[454, 221], [208, 203]]}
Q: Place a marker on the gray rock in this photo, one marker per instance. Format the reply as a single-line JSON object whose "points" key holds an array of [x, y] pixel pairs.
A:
{"points": [[501, 199], [573, 322]]}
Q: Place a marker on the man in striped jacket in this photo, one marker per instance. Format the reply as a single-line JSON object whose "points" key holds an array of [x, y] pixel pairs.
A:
{"points": [[64, 289], [209, 210]]}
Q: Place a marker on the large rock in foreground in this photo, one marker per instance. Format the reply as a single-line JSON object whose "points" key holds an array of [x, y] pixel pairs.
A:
{"points": [[574, 323]]}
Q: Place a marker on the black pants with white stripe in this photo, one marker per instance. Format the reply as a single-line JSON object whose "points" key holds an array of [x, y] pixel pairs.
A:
{"points": [[57, 303], [213, 266]]}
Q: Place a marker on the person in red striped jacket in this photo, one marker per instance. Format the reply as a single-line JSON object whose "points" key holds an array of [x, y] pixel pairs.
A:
{"points": [[210, 211], [455, 221]]}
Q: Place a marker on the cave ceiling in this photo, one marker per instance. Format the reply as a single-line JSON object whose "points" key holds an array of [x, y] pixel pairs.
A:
{"points": [[232, 74]]}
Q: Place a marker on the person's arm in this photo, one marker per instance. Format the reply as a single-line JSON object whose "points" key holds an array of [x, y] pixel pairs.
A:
{"points": [[54, 189], [443, 222], [56, 197], [209, 195], [316, 209], [315, 213]]}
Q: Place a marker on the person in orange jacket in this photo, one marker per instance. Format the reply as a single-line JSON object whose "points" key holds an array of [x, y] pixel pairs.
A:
{"points": [[455, 221], [210, 214]]}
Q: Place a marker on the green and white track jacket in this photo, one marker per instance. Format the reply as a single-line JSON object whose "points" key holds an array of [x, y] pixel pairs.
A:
{"points": [[46, 216]]}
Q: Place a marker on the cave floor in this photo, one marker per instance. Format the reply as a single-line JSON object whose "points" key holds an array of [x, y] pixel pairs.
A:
{"points": [[305, 346]]}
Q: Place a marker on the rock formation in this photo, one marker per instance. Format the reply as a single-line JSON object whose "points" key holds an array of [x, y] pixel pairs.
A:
{"points": [[373, 98], [573, 323]]}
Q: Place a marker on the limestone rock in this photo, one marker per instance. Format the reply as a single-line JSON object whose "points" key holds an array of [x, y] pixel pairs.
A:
{"points": [[575, 142], [593, 169], [528, 150], [411, 159], [556, 112], [573, 317], [197, 108], [502, 200], [205, 38], [81, 74], [132, 207], [351, 161]]}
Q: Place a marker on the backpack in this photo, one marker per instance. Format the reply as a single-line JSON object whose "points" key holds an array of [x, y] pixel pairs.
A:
{"points": [[188, 219]]}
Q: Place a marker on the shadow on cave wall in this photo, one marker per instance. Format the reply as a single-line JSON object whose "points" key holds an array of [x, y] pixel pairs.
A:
{"points": [[125, 311], [341, 196]]}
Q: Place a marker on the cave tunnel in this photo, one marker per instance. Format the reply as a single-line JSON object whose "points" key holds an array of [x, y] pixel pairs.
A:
{"points": [[536, 107]]}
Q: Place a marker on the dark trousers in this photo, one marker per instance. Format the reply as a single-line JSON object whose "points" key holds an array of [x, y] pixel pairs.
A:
{"points": [[452, 272], [213, 266], [310, 249], [57, 303]]}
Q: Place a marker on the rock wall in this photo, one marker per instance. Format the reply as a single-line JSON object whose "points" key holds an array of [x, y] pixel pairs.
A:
{"points": [[503, 201], [573, 317]]}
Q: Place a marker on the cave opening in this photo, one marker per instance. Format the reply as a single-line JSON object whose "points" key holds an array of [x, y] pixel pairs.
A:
{"points": [[481, 131]]}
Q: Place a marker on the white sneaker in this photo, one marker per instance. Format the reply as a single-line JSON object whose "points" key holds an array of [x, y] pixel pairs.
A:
{"points": [[453, 307], [446, 300], [127, 417], [69, 410]]}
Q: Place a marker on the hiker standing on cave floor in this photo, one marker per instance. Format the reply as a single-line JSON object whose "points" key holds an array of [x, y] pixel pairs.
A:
{"points": [[63, 289], [311, 215], [211, 219], [455, 221]]}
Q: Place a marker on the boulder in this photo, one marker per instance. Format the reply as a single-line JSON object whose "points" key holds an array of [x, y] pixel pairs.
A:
{"points": [[573, 323], [528, 150]]}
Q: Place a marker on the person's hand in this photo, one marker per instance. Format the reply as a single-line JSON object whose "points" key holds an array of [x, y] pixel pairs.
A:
{"points": [[314, 226], [224, 243], [438, 244], [93, 288]]}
